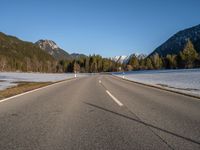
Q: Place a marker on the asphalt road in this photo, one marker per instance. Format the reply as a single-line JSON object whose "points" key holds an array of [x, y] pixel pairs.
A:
{"points": [[100, 112]]}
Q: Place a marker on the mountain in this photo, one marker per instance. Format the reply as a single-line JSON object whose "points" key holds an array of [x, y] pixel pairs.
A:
{"points": [[176, 43], [120, 59], [125, 59], [77, 55], [18, 55], [53, 49]]}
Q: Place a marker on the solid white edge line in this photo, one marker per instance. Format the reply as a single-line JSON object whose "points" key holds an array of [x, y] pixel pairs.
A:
{"points": [[18, 95], [114, 98]]}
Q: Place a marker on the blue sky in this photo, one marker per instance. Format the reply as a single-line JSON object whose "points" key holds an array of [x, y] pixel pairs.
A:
{"points": [[106, 27]]}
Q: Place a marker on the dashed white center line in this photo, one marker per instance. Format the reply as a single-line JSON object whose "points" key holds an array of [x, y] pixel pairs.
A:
{"points": [[114, 98]]}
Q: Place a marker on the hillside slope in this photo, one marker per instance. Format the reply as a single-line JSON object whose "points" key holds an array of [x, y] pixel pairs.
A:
{"points": [[53, 49], [176, 43], [18, 55]]}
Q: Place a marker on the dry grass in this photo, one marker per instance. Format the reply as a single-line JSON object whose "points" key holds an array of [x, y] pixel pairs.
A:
{"points": [[21, 88]]}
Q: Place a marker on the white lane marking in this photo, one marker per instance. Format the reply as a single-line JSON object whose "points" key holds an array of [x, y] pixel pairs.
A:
{"points": [[100, 81], [18, 95], [114, 98]]}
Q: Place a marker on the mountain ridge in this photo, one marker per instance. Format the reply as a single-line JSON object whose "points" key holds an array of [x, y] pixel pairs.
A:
{"points": [[19, 55], [176, 43], [53, 49]]}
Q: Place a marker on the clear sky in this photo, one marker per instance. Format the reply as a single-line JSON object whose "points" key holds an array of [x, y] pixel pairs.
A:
{"points": [[106, 27]]}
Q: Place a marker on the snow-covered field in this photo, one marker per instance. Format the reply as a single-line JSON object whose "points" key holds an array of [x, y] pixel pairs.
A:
{"points": [[9, 79], [183, 80]]}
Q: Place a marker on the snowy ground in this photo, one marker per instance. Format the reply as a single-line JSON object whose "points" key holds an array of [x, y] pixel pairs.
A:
{"points": [[9, 79], [183, 80]]}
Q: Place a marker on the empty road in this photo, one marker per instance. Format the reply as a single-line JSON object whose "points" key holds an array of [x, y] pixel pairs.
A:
{"points": [[100, 112]]}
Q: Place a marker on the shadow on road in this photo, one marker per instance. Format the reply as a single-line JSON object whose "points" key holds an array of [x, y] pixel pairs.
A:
{"points": [[141, 122]]}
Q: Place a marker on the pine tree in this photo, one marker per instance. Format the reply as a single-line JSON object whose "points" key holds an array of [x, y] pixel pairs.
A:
{"points": [[156, 61], [134, 62], [198, 60], [149, 64], [188, 55], [87, 67], [171, 61], [142, 64]]}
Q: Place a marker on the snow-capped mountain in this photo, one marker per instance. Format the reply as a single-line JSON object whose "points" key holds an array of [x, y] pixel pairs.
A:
{"points": [[53, 49], [125, 59], [120, 59]]}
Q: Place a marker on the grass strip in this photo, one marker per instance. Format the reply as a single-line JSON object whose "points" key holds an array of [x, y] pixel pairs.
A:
{"points": [[21, 88]]}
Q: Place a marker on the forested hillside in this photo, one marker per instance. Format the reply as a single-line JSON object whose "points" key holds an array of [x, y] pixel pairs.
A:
{"points": [[188, 57], [46, 56], [18, 55], [176, 43]]}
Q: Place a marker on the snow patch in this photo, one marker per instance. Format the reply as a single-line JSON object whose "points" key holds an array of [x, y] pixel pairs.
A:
{"points": [[183, 80], [10, 79]]}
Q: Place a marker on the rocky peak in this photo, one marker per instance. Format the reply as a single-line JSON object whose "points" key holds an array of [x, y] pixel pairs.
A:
{"points": [[53, 49], [45, 44]]}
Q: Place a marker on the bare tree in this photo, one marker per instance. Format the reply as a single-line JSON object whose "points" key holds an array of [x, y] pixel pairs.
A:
{"points": [[3, 63]]}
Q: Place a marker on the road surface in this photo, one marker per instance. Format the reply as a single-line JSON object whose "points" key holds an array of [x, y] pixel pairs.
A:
{"points": [[100, 112]]}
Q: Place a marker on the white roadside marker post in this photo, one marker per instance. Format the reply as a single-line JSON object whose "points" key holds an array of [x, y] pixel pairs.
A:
{"points": [[75, 69], [123, 75]]}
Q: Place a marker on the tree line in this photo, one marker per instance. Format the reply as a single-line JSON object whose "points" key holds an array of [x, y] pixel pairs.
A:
{"points": [[188, 58], [17, 55], [89, 64], [28, 58]]}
